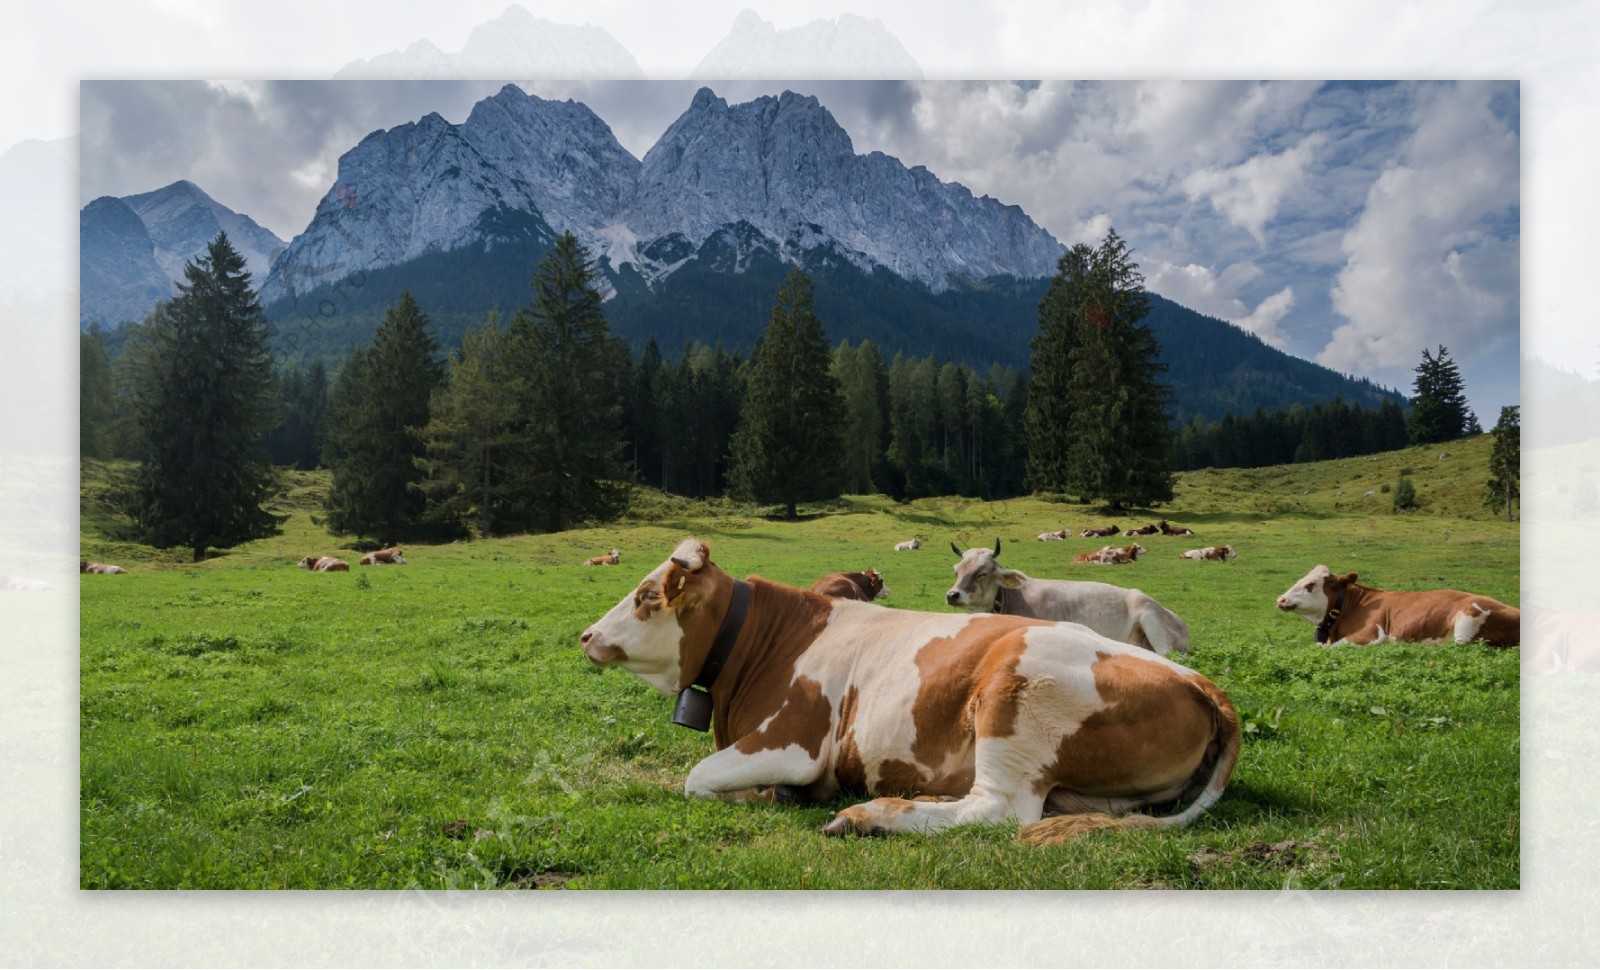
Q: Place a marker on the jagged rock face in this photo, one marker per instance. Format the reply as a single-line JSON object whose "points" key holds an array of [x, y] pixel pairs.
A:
{"points": [[515, 44], [785, 166], [119, 278], [518, 165], [780, 166], [182, 220]]}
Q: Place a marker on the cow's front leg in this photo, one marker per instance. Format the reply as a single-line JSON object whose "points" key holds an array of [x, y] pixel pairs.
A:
{"points": [[769, 775], [1370, 634]]}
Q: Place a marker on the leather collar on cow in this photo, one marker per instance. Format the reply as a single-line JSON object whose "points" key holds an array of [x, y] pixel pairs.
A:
{"points": [[693, 709], [1326, 626]]}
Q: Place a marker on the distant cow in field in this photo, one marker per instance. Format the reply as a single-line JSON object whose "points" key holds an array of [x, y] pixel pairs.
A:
{"points": [[1344, 611], [324, 564], [1174, 530], [1113, 556], [984, 586], [1144, 530], [611, 558], [391, 556], [1109, 530], [866, 586], [908, 545], [1210, 552], [1051, 536], [1091, 556], [948, 719], [85, 566]]}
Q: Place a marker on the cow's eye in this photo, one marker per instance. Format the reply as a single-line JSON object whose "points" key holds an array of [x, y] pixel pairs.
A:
{"points": [[1309, 585]]}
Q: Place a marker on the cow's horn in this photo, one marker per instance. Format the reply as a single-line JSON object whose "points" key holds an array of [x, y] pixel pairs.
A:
{"points": [[997, 546], [955, 549]]}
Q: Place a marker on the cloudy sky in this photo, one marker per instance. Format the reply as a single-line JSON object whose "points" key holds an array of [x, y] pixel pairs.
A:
{"points": [[1352, 224]]}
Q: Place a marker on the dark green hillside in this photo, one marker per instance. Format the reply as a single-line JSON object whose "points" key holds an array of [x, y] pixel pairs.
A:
{"points": [[723, 296]]}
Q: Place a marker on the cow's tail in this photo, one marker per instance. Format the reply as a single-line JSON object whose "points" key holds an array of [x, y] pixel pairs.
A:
{"points": [[1207, 784], [1164, 631]]}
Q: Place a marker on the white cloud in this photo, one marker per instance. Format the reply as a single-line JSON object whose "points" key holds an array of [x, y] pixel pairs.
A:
{"points": [[1217, 295], [1250, 193], [1424, 263]]}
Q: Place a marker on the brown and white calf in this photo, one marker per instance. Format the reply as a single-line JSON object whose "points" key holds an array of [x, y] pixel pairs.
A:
{"points": [[1114, 556], [908, 545], [324, 564], [866, 586], [85, 566], [1209, 552], [1127, 615], [1144, 530], [1109, 530], [1174, 530], [1344, 611], [950, 719], [1052, 536], [391, 556], [611, 558], [1092, 557]]}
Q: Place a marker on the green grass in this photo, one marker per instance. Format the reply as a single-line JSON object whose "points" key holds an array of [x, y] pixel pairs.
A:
{"points": [[246, 724]]}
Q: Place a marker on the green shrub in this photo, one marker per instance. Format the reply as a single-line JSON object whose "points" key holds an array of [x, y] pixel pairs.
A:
{"points": [[1405, 494]]}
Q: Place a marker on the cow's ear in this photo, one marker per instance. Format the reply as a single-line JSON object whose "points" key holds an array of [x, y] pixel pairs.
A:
{"points": [[1009, 579], [1346, 579]]}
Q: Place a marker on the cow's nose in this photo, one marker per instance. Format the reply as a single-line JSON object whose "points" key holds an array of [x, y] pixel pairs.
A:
{"points": [[587, 636], [953, 597]]}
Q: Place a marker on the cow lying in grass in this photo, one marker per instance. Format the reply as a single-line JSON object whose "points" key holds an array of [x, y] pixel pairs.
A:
{"points": [[324, 564], [1344, 611], [949, 719], [866, 586], [984, 586], [85, 566], [612, 558], [1209, 552], [391, 556]]}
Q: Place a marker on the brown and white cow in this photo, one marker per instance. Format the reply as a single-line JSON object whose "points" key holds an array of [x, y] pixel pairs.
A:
{"points": [[324, 564], [1209, 552], [950, 719], [1114, 556], [611, 558], [1052, 536], [391, 556], [1092, 557], [85, 566], [908, 545], [1127, 615], [1144, 530], [1344, 611], [1109, 530], [866, 586], [1174, 530]]}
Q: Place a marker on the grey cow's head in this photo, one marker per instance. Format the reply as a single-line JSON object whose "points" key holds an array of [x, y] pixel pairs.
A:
{"points": [[979, 578]]}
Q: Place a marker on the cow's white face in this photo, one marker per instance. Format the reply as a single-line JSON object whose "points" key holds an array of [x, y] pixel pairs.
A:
{"points": [[645, 633], [978, 580], [1310, 596]]}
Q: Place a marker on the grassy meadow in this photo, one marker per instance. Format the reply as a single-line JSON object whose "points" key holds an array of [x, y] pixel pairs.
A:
{"points": [[247, 724]]}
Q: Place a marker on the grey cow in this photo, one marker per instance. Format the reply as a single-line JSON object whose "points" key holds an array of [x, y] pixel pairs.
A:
{"points": [[1129, 615]]}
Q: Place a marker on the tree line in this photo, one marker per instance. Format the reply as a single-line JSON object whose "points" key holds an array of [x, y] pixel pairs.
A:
{"points": [[545, 421]]}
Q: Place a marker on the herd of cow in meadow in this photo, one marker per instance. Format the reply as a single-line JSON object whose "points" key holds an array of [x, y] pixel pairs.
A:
{"points": [[1050, 702]]}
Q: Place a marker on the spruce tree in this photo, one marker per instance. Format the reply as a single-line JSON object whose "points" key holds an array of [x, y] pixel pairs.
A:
{"points": [[376, 413], [786, 448], [1438, 405], [1098, 411], [572, 375], [96, 395], [202, 401], [1505, 462], [864, 383], [469, 438]]}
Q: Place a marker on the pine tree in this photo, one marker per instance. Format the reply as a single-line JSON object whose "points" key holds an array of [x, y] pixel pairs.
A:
{"points": [[644, 418], [96, 395], [302, 404], [1505, 462], [202, 402], [569, 414], [786, 448], [864, 384], [376, 413], [1438, 405], [1100, 401]]}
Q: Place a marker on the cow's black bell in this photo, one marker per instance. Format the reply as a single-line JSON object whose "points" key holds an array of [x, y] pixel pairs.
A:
{"points": [[693, 709]]}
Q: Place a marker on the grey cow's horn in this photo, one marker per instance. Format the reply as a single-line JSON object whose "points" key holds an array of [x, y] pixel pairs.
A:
{"points": [[955, 549], [997, 547]]}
